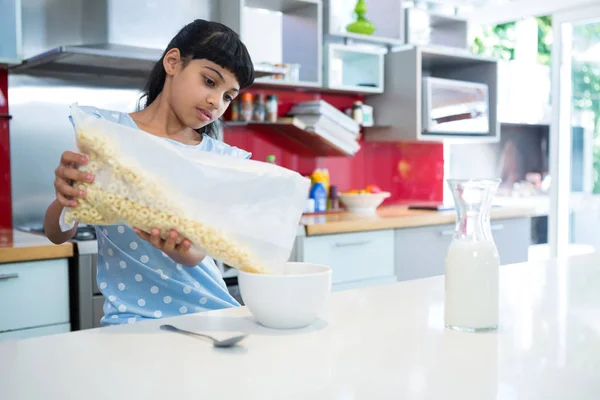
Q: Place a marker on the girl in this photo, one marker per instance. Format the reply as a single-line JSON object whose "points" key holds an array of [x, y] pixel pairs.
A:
{"points": [[142, 276]]}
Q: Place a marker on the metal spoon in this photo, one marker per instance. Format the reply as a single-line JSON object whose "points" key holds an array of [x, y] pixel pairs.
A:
{"points": [[229, 342]]}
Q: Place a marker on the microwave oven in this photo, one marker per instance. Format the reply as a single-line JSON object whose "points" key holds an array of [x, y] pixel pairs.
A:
{"points": [[452, 107]]}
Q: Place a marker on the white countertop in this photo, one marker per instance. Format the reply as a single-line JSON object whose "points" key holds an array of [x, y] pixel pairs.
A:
{"points": [[385, 342]]}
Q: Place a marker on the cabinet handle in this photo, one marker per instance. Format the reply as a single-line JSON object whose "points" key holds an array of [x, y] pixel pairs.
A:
{"points": [[5, 277], [497, 227], [447, 233], [349, 244]]}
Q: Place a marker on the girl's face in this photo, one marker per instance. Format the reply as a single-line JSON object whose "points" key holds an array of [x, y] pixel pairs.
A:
{"points": [[201, 91]]}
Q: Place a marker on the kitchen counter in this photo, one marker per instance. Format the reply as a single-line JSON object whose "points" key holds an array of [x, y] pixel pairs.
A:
{"points": [[17, 246], [385, 342], [394, 217]]}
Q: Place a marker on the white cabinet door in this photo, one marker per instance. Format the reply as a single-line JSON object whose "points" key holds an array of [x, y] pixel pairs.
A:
{"points": [[421, 252], [353, 257], [34, 294], [512, 238]]}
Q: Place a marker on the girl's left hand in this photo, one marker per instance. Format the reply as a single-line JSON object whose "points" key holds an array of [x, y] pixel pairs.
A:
{"points": [[181, 253]]}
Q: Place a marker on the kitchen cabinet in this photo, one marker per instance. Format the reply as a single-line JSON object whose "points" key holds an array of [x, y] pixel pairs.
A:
{"points": [[354, 69], [34, 295], [426, 27], [386, 15], [357, 259], [421, 252], [271, 30], [10, 32], [398, 111]]}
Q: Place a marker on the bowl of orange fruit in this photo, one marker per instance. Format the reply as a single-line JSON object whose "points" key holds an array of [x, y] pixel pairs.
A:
{"points": [[364, 201]]}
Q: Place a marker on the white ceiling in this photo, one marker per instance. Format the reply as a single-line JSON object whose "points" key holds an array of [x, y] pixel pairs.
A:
{"points": [[499, 11]]}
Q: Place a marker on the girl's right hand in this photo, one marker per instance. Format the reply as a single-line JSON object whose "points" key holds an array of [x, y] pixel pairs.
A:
{"points": [[67, 175]]}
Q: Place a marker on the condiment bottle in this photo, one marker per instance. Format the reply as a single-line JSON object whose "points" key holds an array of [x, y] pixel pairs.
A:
{"points": [[271, 108], [246, 107], [357, 112], [259, 108], [334, 200], [235, 109]]}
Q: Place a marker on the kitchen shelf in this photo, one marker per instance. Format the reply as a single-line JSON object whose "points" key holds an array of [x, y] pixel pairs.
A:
{"points": [[425, 27], [284, 84], [387, 16], [280, 5], [347, 67], [398, 110], [271, 30], [353, 89], [262, 70], [312, 87], [299, 137], [345, 36]]}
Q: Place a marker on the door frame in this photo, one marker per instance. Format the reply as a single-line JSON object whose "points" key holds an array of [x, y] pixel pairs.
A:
{"points": [[560, 128]]}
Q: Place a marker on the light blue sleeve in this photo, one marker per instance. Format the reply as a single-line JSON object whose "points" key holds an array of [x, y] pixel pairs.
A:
{"points": [[222, 148]]}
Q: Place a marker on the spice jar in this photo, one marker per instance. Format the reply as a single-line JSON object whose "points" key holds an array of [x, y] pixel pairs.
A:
{"points": [[271, 108], [357, 111], [235, 109], [247, 107], [259, 108]]}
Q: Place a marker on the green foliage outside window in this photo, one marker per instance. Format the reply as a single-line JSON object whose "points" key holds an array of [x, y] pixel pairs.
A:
{"points": [[499, 41]]}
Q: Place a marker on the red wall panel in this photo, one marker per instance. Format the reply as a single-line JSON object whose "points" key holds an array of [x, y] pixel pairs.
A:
{"points": [[5, 198], [410, 171]]}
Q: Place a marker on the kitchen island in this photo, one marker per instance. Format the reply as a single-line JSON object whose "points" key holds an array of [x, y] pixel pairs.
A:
{"points": [[385, 342]]}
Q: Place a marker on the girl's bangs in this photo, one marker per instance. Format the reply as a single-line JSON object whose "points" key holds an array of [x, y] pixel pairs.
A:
{"points": [[226, 49]]}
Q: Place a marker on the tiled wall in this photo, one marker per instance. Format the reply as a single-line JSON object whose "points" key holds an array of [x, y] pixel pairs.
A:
{"points": [[5, 200], [410, 171]]}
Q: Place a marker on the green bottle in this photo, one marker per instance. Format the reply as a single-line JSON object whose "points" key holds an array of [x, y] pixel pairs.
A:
{"points": [[361, 25]]}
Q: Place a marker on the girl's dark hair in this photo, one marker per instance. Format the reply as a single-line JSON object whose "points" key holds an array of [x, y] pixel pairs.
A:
{"points": [[208, 40]]}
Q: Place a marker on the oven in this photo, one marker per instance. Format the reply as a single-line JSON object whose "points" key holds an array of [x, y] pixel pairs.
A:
{"points": [[86, 299]]}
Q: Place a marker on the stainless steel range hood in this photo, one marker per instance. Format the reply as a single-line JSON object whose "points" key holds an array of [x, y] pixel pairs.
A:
{"points": [[102, 36], [106, 59], [103, 59]]}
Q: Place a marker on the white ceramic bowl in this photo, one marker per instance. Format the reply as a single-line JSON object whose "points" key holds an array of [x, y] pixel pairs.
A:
{"points": [[365, 203], [286, 301]]}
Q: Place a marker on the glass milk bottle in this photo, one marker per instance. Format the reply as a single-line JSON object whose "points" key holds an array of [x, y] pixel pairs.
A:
{"points": [[472, 262]]}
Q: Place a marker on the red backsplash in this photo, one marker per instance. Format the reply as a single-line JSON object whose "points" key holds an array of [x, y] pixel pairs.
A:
{"points": [[5, 198], [409, 171]]}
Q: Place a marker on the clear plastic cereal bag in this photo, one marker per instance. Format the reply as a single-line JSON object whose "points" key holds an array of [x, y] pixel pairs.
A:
{"points": [[242, 212]]}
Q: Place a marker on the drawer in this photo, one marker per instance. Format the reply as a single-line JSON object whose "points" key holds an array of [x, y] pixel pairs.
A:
{"points": [[35, 332], [353, 256], [421, 252], [34, 294], [97, 310], [512, 238]]}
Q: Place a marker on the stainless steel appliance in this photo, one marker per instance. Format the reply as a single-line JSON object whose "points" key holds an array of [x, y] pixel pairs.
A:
{"points": [[455, 107]]}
